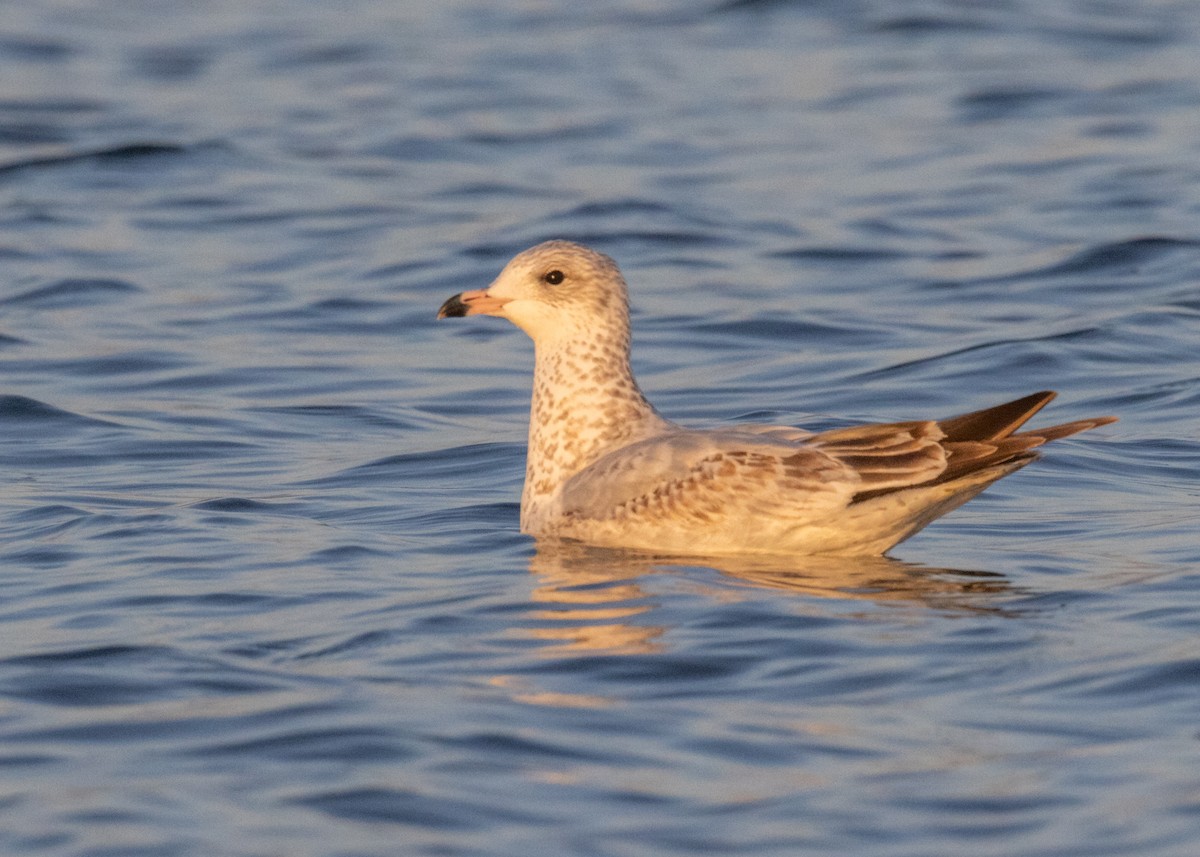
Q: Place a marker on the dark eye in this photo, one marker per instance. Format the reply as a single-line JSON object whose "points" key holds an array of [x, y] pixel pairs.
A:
{"points": [[554, 277]]}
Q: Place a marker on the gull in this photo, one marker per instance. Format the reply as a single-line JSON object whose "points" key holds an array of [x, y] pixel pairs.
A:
{"points": [[605, 468]]}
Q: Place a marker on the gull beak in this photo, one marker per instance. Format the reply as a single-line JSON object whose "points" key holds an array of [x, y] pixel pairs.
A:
{"points": [[478, 302]]}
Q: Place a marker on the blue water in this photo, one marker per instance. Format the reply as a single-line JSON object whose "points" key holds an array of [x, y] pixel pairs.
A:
{"points": [[263, 591]]}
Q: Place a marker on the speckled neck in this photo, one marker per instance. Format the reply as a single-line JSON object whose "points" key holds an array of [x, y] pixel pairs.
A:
{"points": [[585, 404]]}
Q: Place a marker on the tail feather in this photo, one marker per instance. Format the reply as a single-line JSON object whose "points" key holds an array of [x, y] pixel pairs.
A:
{"points": [[1050, 433]]}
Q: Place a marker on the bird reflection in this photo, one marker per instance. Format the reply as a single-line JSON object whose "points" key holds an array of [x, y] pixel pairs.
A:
{"points": [[592, 599], [589, 596]]}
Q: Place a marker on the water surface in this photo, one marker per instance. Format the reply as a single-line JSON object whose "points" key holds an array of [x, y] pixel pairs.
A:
{"points": [[264, 591]]}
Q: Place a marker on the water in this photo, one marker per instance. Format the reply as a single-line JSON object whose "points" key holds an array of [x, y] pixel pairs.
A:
{"points": [[263, 589]]}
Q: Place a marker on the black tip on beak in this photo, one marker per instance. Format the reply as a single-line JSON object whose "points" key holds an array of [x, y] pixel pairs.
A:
{"points": [[453, 308]]}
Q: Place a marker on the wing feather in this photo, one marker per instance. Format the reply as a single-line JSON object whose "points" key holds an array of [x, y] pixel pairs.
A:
{"points": [[697, 482], [888, 455], [709, 475]]}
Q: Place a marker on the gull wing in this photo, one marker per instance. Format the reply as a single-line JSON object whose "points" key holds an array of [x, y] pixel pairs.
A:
{"points": [[862, 488], [722, 474], [705, 475]]}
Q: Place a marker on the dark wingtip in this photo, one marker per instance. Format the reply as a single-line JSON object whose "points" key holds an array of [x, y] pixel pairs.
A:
{"points": [[997, 422], [453, 308]]}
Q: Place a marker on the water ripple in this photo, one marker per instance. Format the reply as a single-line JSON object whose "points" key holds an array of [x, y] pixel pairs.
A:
{"points": [[264, 587]]}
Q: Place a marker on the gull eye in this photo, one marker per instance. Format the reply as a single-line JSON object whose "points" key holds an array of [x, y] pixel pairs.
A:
{"points": [[554, 277]]}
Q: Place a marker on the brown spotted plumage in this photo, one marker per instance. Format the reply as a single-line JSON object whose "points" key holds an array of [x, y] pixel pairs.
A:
{"points": [[605, 468]]}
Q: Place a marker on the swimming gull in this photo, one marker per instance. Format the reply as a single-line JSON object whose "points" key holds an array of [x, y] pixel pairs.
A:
{"points": [[605, 468]]}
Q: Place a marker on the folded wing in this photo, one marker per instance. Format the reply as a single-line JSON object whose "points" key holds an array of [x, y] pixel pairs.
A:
{"points": [[742, 473]]}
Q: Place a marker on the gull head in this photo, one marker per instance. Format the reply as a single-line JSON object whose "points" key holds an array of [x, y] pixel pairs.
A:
{"points": [[556, 289]]}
